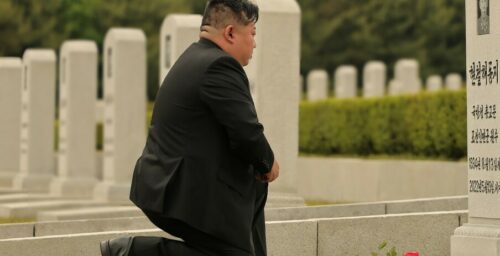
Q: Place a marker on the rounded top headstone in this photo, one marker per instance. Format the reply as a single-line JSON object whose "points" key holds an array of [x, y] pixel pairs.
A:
{"points": [[346, 69], [186, 20], [375, 65], [278, 6], [434, 83], [10, 62], [318, 74], [79, 45], [129, 34], [39, 55]]}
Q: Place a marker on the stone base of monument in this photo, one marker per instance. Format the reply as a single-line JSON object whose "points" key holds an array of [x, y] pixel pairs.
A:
{"points": [[110, 192], [30, 209], [280, 200], [39, 183], [476, 239], [7, 179], [90, 213], [75, 188]]}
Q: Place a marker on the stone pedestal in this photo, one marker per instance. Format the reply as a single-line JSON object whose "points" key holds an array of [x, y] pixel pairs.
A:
{"points": [[125, 111], [407, 74], [481, 236], [346, 78], [37, 165], [10, 118], [374, 79], [178, 32], [434, 83], [77, 118], [274, 74], [317, 85], [454, 82]]}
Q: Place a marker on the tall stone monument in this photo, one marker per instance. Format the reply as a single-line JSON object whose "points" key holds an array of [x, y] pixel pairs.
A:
{"points": [[317, 85], [178, 32], [434, 83], [125, 110], [37, 161], [11, 70], [374, 79], [274, 77], [454, 82], [77, 118], [407, 74], [346, 79], [481, 235]]}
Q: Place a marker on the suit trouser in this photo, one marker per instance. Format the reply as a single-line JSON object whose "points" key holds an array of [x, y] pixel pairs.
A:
{"points": [[197, 243]]}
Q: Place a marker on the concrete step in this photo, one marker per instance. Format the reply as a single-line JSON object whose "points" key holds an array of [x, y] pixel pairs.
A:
{"points": [[297, 238], [25, 197], [279, 200], [30, 209], [90, 213]]}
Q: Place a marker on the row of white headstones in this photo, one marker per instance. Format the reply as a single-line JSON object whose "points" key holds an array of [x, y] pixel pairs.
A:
{"points": [[406, 81], [27, 105]]}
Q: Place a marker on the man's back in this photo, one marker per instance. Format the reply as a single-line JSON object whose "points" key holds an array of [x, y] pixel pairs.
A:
{"points": [[197, 163]]}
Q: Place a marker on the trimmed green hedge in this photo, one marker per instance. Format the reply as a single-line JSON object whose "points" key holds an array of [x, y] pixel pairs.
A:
{"points": [[427, 124]]}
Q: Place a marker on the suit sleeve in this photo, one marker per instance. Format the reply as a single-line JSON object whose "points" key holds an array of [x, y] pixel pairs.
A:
{"points": [[226, 93]]}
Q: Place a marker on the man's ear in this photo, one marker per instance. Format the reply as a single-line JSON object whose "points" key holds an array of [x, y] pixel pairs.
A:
{"points": [[229, 33]]}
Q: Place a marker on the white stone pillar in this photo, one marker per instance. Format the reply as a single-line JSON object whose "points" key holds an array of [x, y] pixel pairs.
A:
{"points": [[11, 70], [77, 119], [274, 77], [454, 82], [125, 110], [407, 74], [480, 234], [346, 80], [395, 88], [374, 79], [317, 85], [434, 83], [37, 162], [178, 32]]}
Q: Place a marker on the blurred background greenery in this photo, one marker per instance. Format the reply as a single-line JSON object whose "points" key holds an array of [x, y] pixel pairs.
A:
{"points": [[334, 32]]}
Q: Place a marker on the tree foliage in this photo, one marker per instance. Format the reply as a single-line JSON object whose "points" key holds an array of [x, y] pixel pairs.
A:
{"points": [[356, 31], [333, 32]]}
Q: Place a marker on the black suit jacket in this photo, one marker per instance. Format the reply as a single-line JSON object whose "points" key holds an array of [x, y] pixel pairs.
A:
{"points": [[204, 147]]}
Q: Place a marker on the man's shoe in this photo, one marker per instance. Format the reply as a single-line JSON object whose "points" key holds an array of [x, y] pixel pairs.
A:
{"points": [[116, 247]]}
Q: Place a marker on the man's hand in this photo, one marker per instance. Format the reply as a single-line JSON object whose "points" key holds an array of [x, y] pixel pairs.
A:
{"points": [[271, 175]]}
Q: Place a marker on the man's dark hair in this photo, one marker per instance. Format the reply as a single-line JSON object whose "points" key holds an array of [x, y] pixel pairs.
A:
{"points": [[218, 13]]}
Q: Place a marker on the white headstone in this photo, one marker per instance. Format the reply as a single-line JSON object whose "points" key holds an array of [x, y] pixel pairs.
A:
{"points": [[77, 129], [178, 32], [346, 78], [37, 164], [481, 233], [454, 82], [317, 85], [374, 79], [125, 110], [407, 74], [434, 83], [11, 70], [395, 87], [274, 76]]}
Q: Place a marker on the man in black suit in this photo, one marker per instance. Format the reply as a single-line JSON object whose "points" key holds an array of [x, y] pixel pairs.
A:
{"points": [[204, 171]]}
